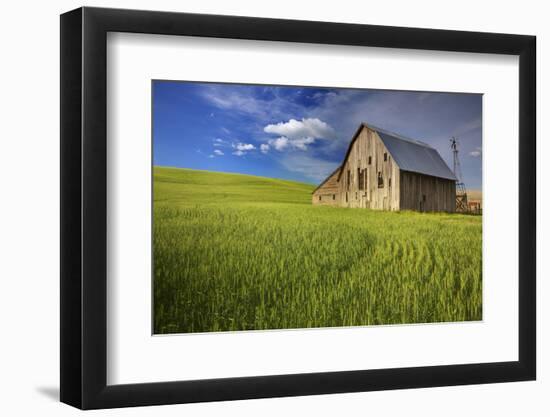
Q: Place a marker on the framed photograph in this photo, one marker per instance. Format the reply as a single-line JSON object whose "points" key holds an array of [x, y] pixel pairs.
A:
{"points": [[258, 208]]}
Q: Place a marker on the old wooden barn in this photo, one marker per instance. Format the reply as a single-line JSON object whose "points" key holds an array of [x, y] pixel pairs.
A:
{"points": [[385, 171]]}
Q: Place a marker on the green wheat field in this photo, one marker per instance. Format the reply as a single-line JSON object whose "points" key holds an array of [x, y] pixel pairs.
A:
{"points": [[237, 252]]}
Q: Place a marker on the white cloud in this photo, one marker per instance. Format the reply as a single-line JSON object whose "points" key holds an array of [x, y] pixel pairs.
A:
{"points": [[244, 146], [264, 148], [237, 101], [238, 146], [476, 153], [220, 142], [211, 156], [323, 95], [283, 143], [296, 129], [242, 100], [302, 143], [280, 143], [298, 134]]}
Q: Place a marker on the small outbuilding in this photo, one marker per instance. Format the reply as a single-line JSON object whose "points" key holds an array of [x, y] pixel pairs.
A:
{"points": [[386, 171]]}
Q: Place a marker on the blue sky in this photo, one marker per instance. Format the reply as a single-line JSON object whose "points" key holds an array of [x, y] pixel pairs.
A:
{"points": [[301, 133]]}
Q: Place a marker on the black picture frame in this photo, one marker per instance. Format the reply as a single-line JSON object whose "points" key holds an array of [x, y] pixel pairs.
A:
{"points": [[84, 207]]}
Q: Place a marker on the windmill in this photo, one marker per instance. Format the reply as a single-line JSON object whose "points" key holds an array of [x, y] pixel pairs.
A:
{"points": [[461, 196]]}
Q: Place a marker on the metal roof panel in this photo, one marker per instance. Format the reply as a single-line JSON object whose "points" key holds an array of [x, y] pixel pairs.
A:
{"points": [[414, 156]]}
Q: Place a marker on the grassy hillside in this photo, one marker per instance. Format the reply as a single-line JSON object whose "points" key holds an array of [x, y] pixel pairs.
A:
{"points": [[191, 187], [237, 252]]}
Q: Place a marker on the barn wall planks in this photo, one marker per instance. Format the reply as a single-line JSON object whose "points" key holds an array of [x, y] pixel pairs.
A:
{"points": [[343, 187], [327, 193], [381, 195], [425, 193]]}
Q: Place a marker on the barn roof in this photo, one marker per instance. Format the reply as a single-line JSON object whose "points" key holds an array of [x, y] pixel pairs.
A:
{"points": [[415, 156], [327, 178], [409, 154]]}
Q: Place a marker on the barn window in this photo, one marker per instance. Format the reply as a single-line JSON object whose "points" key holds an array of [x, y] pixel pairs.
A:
{"points": [[389, 182], [334, 196], [319, 198], [361, 176], [370, 160], [385, 156], [424, 198], [380, 180], [348, 179], [346, 197]]}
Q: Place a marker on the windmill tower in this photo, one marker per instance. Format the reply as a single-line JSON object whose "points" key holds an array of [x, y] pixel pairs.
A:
{"points": [[461, 196]]}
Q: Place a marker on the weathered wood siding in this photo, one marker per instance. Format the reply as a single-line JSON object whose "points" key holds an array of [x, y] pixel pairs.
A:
{"points": [[384, 197], [327, 193], [426, 193]]}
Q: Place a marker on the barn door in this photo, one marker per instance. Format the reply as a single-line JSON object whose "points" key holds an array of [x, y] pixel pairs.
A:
{"points": [[423, 203]]}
